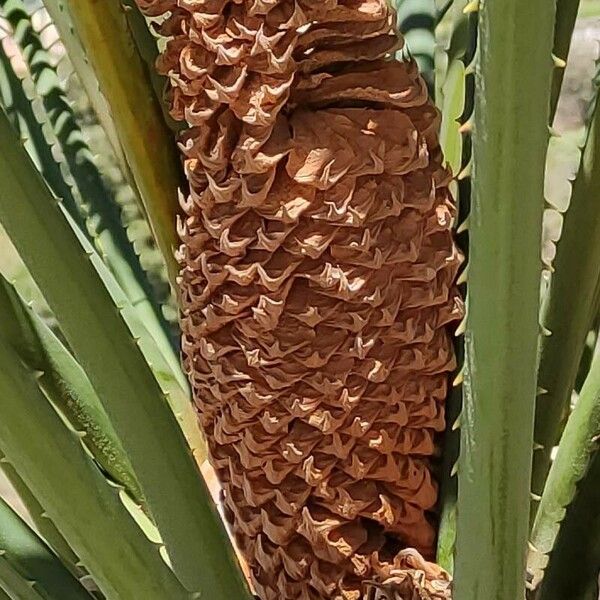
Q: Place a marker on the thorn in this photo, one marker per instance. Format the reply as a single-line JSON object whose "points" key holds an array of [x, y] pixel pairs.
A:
{"points": [[541, 391], [456, 424], [471, 7], [537, 446], [462, 327], [545, 331], [464, 226], [462, 278], [459, 379], [164, 554], [454, 470], [535, 497], [559, 63], [553, 132], [466, 127], [466, 172]]}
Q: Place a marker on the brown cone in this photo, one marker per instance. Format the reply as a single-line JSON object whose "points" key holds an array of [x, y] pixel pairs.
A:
{"points": [[317, 270]]}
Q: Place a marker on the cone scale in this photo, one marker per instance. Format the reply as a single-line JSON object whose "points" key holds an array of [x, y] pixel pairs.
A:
{"points": [[317, 288]]}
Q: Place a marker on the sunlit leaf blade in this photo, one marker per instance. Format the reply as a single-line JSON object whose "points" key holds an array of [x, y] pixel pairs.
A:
{"points": [[161, 359], [577, 444], [19, 108], [505, 226], [85, 73], [50, 457], [573, 570], [64, 381], [29, 556], [3, 594], [147, 142], [176, 494], [19, 588], [566, 317], [46, 528], [100, 214]]}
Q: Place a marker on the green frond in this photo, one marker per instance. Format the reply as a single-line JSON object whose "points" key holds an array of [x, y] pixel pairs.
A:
{"points": [[573, 569], [28, 556], [148, 144], [510, 137], [100, 216], [578, 443], [65, 383], [43, 524], [50, 457], [570, 305]]}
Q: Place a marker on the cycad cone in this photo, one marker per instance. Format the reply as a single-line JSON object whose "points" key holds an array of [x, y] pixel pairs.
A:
{"points": [[317, 270]]}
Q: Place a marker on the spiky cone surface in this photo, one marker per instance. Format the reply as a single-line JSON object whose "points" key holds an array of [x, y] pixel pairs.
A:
{"points": [[317, 270]]}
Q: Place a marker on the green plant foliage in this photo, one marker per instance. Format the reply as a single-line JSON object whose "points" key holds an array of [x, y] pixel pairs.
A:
{"points": [[588, 353], [576, 267], [18, 107], [97, 418], [23, 552], [65, 383], [573, 568], [50, 457], [170, 481], [131, 286], [147, 142], [102, 213], [18, 587], [578, 443], [85, 73], [509, 145], [4, 595], [43, 525]]}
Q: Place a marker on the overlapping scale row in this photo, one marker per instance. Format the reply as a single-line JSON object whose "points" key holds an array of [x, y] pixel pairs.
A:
{"points": [[317, 270]]}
